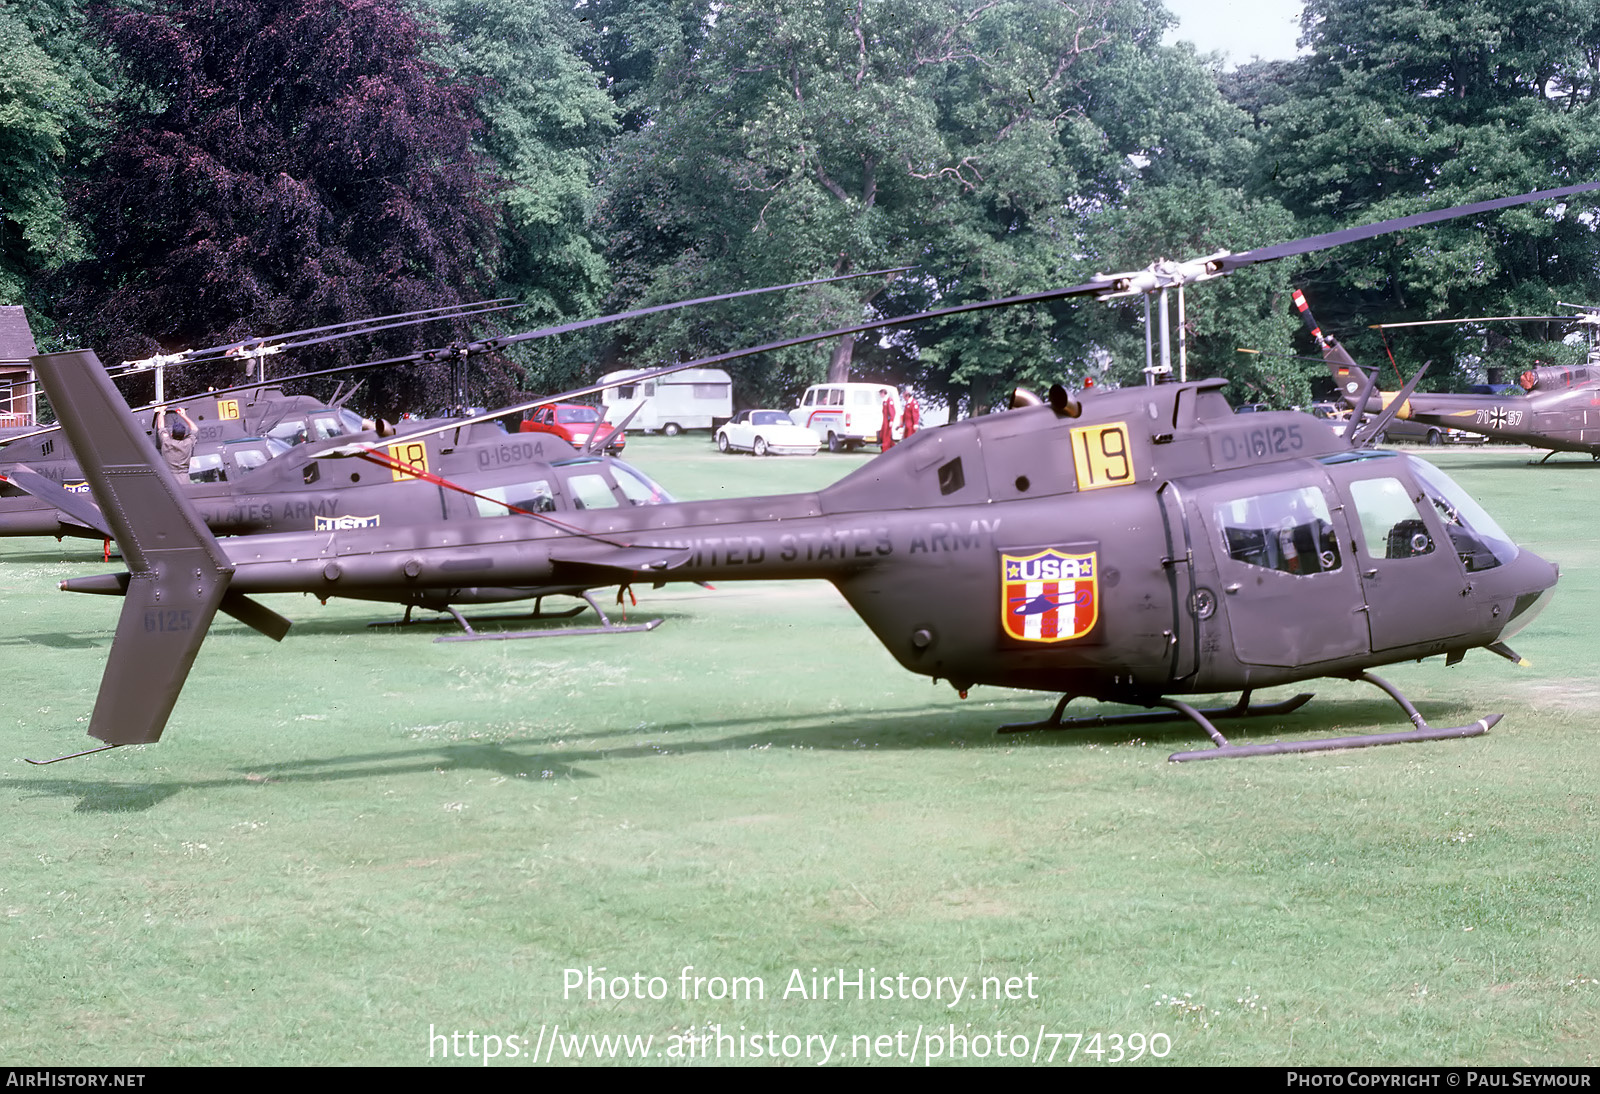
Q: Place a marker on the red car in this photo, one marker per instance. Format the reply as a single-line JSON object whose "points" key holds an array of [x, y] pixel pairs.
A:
{"points": [[573, 423]]}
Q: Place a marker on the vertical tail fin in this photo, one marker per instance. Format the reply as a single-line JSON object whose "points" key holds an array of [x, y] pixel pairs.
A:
{"points": [[178, 573], [1347, 375]]}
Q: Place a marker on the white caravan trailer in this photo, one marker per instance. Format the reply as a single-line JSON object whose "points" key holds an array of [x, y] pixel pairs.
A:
{"points": [[696, 398]]}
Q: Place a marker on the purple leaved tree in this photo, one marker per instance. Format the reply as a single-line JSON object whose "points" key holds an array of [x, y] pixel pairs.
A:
{"points": [[280, 164]]}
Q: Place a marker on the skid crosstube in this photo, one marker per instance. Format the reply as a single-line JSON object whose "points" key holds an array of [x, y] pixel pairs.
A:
{"points": [[1420, 731]]}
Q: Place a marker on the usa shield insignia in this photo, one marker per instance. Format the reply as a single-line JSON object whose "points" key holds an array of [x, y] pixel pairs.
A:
{"points": [[1049, 596]]}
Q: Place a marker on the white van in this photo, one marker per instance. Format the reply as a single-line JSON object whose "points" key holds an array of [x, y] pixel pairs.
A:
{"points": [[696, 398], [847, 415]]}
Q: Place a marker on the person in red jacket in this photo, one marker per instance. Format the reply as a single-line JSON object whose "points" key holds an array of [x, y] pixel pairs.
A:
{"points": [[886, 431], [911, 417]]}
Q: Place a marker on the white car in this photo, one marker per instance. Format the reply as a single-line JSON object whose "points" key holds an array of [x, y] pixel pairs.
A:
{"points": [[766, 433]]}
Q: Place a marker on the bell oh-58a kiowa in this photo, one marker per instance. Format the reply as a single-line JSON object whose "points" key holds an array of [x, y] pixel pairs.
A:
{"points": [[1130, 546], [444, 472], [258, 467], [236, 428]]}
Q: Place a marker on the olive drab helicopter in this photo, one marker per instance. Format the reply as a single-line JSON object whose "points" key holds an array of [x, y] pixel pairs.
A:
{"points": [[1551, 406], [1128, 546], [258, 466], [455, 471], [237, 429]]}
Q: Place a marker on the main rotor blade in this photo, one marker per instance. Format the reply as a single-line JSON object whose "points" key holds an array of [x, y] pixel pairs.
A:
{"points": [[258, 347], [581, 324], [1479, 319], [1088, 289], [1342, 236], [1096, 287], [1221, 264], [1284, 356], [597, 445], [442, 353], [187, 356]]}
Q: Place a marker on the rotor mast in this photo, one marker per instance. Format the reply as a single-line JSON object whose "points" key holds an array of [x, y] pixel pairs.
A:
{"points": [[1160, 276]]}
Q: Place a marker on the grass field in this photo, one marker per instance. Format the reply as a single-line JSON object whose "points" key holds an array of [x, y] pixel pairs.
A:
{"points": [[355, 838]]}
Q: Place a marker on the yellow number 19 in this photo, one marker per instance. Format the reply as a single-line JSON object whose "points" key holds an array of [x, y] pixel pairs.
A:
{"points": [[1101, 455]]}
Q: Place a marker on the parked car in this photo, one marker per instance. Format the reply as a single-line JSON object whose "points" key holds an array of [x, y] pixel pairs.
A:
{"points": [[766, 433], [1399, 431], [573, 423]]}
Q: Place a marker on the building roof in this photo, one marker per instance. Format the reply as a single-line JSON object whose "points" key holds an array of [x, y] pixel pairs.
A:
{"points": [[16, 337]]}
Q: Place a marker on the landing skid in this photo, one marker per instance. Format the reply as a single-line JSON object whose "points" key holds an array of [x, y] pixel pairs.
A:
{"points": [[1202, 718], [1595, 456], [1241, 709], [457, 618], [69, 756], [606, 626]]}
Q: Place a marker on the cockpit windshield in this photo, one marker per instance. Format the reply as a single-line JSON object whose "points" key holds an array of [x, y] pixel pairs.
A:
{"points": [[590, 490], [1481, 543], [637, 487]]}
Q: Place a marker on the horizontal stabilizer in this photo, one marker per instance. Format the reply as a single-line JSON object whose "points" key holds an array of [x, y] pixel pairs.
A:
{"points": [[589, 557], [79, 507], [253, 613]]}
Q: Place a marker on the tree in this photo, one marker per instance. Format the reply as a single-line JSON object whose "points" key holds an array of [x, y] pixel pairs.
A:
{"points": [[545, 121], [989, 144], [1403, 107], [277, 165], [793, 140], [46, 121]]}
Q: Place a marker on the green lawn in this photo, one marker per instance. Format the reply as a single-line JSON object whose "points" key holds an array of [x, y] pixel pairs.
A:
{"points": [[353, 838]]}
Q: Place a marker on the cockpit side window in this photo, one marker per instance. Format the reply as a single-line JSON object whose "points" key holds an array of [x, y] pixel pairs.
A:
{"points": [[1290, 531], [290, 433], [207, 467], [248, 457], [639, 488], [1391, 525], [534, 497]]}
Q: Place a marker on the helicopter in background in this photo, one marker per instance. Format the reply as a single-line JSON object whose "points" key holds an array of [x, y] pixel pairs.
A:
{"points": [[243, 427], [256, 410], [256, 470], [452, 471], [1551, 406], [1128, 546]]}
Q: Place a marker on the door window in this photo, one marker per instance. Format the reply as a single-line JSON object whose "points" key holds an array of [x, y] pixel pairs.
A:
{"points": [[591, 492], [1290, 531]]}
